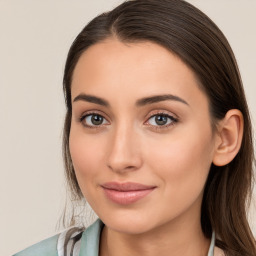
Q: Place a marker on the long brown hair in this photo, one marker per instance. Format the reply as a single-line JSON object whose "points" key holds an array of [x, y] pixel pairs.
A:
{"points": [[194, 38]]}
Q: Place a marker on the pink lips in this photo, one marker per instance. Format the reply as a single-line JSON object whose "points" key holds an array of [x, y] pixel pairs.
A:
{"points": [[126, 193]]}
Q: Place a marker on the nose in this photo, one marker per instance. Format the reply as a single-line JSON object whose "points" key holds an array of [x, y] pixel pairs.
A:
{"points": [[124, 150]]}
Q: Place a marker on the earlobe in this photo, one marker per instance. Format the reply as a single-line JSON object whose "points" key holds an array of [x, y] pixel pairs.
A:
{"points": [[228, 138]]}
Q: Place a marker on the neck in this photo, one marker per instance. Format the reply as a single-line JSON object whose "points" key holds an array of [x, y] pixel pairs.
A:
{"points": [[179, 237]]}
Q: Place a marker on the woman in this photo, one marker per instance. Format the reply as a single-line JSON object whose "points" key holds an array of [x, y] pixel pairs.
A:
{"points": [[157, 136]]}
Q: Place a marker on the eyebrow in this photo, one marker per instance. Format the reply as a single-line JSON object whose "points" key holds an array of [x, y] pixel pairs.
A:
{"points": [[92, 99], [139, 103], [159, 98]]}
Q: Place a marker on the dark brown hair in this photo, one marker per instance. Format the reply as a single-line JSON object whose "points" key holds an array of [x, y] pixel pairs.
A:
{"points": [[193, 37]]}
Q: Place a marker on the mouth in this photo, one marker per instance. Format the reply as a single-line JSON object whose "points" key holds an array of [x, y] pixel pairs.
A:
{"points": [[126, 193]]}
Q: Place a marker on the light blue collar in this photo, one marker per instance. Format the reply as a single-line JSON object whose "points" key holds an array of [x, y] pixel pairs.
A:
{"points": [[211, 249], [90, 239]]}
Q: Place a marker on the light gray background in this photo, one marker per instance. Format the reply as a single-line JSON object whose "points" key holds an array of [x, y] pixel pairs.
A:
{"points": [[34, 39]]}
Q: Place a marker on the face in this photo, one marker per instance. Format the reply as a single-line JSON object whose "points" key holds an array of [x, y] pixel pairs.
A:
{"points": [[141, 140]]}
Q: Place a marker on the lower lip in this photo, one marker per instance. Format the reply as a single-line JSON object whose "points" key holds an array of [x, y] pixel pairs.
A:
{"points": [[126, 197]]}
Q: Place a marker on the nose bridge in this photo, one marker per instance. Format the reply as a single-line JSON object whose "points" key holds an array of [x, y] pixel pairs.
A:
{"points": [[124, 148]]}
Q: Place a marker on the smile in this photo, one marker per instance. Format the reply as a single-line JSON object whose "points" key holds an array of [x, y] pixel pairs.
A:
{"points": [[126, 193]]}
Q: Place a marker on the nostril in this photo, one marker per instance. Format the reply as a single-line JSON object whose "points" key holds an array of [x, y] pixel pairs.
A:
{"points": [[123, 168], [123, 153]]}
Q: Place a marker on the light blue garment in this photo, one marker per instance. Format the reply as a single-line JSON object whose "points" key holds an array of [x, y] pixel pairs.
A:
{"points": [[90, 239], [47, 247], [89, 244]]}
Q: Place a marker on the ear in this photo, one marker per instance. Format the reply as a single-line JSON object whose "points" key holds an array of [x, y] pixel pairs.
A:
{"points": [[228, 138]]}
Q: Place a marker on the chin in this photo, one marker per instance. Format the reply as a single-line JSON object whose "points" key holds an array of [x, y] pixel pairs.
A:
{"points": [[129, 227], [128, 223]]}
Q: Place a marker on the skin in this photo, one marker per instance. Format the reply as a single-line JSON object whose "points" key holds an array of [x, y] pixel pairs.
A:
{"points": [[130, 146]]}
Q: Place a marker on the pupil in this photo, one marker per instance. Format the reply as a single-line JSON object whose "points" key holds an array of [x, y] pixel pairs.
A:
{"points": [[96, 119], [161, 120]]}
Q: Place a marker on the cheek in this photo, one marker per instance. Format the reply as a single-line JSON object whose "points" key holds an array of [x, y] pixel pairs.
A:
{"points": [[182, 162], [85, 155]]}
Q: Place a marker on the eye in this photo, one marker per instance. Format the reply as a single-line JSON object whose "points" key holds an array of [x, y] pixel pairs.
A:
{"points": [[93, 120], [162, 119]]}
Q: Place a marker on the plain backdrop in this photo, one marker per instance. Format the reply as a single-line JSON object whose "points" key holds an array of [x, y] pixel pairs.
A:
{"points": [[34, 39]]}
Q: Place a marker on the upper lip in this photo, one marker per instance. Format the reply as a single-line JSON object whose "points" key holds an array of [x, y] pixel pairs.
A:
{"points": [[127, 186]]}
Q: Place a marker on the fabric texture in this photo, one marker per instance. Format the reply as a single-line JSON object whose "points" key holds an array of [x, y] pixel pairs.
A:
{"points": [[84, 243], [47, 247], [73, 238]]}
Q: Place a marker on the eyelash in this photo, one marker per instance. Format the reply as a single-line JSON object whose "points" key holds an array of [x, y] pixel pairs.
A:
{"points": [[82, 118], [173, 120]]}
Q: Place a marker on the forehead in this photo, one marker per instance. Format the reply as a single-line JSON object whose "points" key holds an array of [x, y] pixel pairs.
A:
{"points": [[110, 54], [133, 69]]}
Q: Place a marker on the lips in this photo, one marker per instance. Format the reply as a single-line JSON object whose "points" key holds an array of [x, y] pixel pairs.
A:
{"points": [[126, 193]]}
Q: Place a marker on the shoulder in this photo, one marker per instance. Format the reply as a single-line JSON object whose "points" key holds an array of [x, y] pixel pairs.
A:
{"points": [[46, 247], [71, 241]]}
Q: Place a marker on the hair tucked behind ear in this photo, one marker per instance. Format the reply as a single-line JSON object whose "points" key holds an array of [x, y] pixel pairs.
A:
{"points": [[194, 38]]}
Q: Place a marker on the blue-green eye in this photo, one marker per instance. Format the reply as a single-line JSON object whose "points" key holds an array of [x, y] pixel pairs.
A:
{"points": [[161, 120], [93, 120]]}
